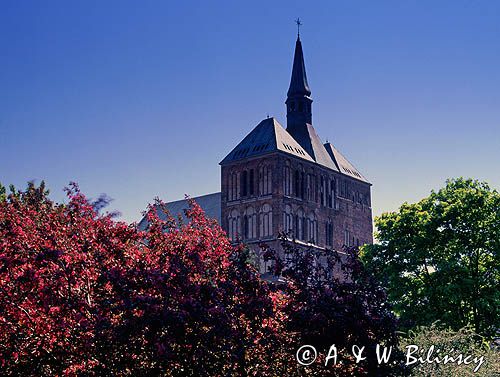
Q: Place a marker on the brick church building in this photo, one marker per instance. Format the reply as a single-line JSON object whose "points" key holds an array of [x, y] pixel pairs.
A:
{"points": [[281, 179]]}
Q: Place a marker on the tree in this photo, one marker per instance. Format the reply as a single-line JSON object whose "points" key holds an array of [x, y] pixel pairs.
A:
{"points": [[334, 300], [82, 294], [439, 258]]}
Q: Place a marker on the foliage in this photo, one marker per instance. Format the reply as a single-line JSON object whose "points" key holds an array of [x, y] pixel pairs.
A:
{"points": [[2, 193], [453, 343], [333, 300], [82, 294], [440, 258]]}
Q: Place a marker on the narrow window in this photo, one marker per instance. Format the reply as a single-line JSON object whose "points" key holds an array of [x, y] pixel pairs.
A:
{"points": [[251, 182], [302, 185], [297, 183], [244, 183], [245, 227], [347, 238], [322, 191]]}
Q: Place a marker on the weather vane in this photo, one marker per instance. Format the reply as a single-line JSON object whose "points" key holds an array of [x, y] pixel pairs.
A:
{"points": [[299, 24]]}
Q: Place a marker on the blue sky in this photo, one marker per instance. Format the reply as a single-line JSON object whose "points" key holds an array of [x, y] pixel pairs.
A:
{"points": [[143, 99]]}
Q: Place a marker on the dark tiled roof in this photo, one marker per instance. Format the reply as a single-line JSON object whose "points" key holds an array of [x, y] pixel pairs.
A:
{"points": [[210, 203], [268, 136], [343, 164], [309, 139]]}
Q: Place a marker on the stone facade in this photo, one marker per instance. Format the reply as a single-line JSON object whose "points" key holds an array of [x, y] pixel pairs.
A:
{"points": [[321, 207]]}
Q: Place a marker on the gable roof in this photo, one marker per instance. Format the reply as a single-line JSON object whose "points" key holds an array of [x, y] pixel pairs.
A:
{"points": [[210, 204], [344, 166], [270, 136], [266, 137]]}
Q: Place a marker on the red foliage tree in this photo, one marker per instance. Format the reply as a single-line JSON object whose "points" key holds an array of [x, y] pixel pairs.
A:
{"points": [[82, 294]]}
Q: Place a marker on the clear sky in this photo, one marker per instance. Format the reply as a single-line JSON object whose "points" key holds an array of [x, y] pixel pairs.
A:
{"points": [[143, 99]]}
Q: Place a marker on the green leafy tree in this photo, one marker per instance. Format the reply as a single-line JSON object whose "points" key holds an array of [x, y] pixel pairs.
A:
{"points": [[2, 193], [439, 259]]}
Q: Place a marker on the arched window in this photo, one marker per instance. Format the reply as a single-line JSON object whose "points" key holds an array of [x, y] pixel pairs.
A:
{"points": [[237, 185], [234, 225], [316, 189], [251, 182], [265, 180], [233, 186], [288, 221], [250, 223], [347, 238], [322, 191], [312, 228], [296, 182], [333, 192], [329, 232], [302, 185], [331, 185], [266, 221], [287, 181], [244, 183], [309, 185], [299, 225]]}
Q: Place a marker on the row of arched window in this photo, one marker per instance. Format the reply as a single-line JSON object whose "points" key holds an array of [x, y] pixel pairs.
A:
{"points": [[307, 186], [322, 189], [251, 224], [245, 183], [348, 192], [349, 239], [255, 224], [300, 225]]}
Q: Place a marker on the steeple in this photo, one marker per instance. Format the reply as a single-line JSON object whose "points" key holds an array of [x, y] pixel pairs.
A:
{"points": [[299, 111], [298, 83], [298, 102]]}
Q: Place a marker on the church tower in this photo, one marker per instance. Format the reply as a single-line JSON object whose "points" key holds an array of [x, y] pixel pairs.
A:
{"points": [[286, 181]]}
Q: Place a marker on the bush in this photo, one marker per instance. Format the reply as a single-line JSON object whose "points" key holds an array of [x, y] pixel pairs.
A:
{"points": [[450, 342]]}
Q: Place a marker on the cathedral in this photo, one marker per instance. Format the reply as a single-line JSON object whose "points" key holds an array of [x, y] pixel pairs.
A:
{"points": [[285, 180]]}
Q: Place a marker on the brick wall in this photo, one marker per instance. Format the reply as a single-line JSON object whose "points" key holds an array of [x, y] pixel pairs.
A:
{"points": [[349, 208]]}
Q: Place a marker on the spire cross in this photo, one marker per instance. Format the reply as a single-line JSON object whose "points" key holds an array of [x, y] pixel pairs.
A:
{"points": [[299, 24]]}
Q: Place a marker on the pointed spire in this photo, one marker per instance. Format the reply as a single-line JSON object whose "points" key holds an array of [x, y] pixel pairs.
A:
{"points": [[298, 83]]}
